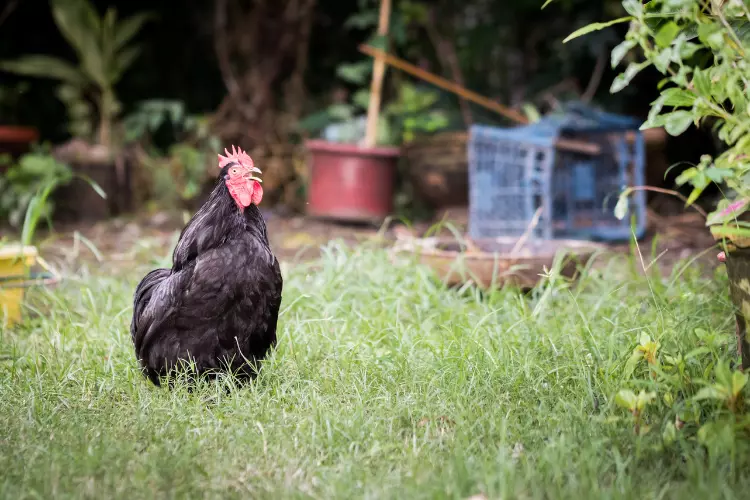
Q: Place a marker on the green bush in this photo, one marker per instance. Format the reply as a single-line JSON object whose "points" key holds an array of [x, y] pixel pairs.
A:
{"points": [[701, 49]]}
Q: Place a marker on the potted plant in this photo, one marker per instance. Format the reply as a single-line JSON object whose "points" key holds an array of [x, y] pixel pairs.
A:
{"points": [[352, 174], [14, 139], [25, 195], [701, 49], [352, 182], [104, 50]]}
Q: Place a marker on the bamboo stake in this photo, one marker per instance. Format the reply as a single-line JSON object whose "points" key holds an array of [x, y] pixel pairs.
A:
{"points": [[443, 83], [378, 71], [565, 144]]}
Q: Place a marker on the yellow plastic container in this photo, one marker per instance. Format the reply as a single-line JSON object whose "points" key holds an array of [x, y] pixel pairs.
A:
{"points": [[15, 265]]}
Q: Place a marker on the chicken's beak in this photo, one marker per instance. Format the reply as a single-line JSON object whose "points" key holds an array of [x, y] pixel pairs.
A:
{"points": [[252, 177]]}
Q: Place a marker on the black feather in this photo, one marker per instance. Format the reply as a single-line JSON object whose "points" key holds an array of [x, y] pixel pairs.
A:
{"points": [[218, 306]]}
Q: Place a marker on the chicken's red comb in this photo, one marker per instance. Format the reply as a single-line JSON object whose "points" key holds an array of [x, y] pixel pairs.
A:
{"points": [[236, 156]]}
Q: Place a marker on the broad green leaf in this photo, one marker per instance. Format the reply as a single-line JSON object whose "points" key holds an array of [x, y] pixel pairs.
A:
{"points": [[677, 97], [730, 231], [128, 28], [729, 213], [596, 27], [702, 82], [711, 34], [717, 174], [45, 67], [677, 122], [79, 24], [667, 34]]}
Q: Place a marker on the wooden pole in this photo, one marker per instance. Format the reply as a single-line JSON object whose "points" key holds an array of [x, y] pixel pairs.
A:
{"points": [[376, 87], [573, 145], [441, 82]]}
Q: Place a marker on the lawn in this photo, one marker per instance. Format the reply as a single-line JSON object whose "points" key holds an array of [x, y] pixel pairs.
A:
{"points": [[385, 384]]}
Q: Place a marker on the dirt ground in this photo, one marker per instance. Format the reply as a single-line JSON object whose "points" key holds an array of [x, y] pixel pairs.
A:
{"points": [[118, 244]]}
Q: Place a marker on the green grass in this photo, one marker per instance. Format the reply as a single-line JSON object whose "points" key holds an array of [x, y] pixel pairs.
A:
{"points": [[385, 384]]}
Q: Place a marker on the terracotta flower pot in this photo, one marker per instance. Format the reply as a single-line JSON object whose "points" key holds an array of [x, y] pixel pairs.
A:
{"points": [[350, 183], [17, 140]]}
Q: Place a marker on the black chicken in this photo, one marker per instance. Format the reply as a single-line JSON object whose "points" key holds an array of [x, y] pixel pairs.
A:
{"points": [[217, 308]]}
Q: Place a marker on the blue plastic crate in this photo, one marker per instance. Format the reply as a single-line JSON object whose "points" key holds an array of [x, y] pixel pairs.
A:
{"points": [[513, 172]]}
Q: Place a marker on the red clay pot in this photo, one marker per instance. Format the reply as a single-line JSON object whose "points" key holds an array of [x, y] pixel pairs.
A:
{"points": [[350, 183], [16, 140]]}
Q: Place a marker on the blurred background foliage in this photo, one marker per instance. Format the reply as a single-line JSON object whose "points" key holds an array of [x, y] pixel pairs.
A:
{"points": [[264, 74]]}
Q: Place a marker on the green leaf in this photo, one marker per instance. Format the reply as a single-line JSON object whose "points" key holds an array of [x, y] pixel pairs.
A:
{"points": [[677, 122], [739, 381], [717, 174], [667, 34], [547, 3], [362, 20], [677, 97], [727, 231], [670, 433], [729, 213], [694, 195], [620, 51], [596, 27], [532, 114], [361, 98], [711, 34], [702, 82], [128, 28], [621, 209], [341, 111], [356, 73], [45, 67], [379, 42], [632, 363], [123, 62], [644, 398], [687, 176], [710, 392], [80, 25], [623, 79], [94, 185], [626, 399], [662, 59], [633, 7]]}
